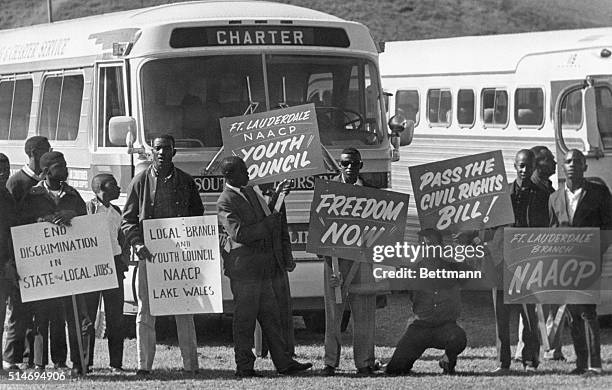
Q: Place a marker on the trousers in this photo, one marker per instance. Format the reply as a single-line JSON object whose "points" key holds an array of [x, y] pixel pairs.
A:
{"points": [[363, 312], [585, 335], [113, 311], [531, 350], [145, 329], [254, 300], [418, 337]]}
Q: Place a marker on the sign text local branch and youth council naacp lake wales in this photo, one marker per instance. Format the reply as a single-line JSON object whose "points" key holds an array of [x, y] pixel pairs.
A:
{"points": [[185, 274]]}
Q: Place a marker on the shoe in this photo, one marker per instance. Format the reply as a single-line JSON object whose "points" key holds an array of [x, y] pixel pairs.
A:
{"points": [[189, 372], [328, 371], [366, 371], [594, 371], [116, 370], [530, 366], [248, 374], [76, 371], [39, 368], [448, 367], [577, 371], [550, 355], [295, 367], [60, 366], [501, 371], [377, 365], [143, 372], [13, 367]]}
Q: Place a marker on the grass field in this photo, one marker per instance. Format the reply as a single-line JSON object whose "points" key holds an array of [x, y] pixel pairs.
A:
{"points": [[217, 361]]}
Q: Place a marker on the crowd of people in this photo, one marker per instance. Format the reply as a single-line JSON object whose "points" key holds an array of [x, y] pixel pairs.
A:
{"points": [[257, 257]]}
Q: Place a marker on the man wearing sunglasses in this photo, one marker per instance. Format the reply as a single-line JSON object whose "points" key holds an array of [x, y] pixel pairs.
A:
{"points": [[363, 306]]}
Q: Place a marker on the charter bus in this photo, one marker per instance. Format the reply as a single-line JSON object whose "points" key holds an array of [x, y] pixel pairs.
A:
{"points": [[468, 95], [102, 87]]}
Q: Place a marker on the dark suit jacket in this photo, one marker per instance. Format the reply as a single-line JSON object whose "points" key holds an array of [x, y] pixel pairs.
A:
{"points": [[537, 206], [594, 209], [249, 248]]}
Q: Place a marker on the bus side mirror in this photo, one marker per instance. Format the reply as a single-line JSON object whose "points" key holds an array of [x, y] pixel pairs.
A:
{"points": [[122, 130], [401, 128], [592, 127]]}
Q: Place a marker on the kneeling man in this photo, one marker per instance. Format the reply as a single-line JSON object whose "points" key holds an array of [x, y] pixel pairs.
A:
{"points": [[435, 325]]}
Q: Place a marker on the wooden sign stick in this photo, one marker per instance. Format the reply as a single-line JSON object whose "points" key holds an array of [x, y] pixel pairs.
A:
{"points": [[336, 272]]}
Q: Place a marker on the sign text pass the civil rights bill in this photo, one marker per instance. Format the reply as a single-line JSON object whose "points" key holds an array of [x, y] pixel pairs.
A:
{"points": [[276, 145], [54, 261], [465, 193]]}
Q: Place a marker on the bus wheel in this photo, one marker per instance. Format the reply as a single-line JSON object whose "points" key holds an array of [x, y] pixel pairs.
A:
{"points": [[129, 326], [315, 321], [605, 321]]}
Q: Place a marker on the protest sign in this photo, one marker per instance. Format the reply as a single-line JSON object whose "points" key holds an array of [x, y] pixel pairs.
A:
{"points": [[465, 193], [546, 265], [185, 274], [54, 261], [347, 221], [275, 145]]}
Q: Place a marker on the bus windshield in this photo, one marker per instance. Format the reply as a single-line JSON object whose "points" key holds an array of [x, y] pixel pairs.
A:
{"points": [[186, 96]]}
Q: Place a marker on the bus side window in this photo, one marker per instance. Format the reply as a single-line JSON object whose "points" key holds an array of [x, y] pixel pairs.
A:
{"points": [[571, 111], [494, 107], [111, 101], [439, 107], [61, 107], [407, 104], [465, 107], [603, 98], [15, 105], [529, 107]]}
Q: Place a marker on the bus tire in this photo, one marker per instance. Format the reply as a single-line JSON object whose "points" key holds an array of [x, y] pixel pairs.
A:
{"points": [[129, 326], [315, 321]]}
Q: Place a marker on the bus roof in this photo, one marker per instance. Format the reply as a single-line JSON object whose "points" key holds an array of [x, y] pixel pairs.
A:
{"points": [[94, 35], [482, 54]]}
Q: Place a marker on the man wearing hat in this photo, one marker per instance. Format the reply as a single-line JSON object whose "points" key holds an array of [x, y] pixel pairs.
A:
{"points": [[19, 339], [52, 200]]}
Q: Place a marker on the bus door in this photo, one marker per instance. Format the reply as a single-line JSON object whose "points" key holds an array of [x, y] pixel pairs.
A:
{"points": [[110, 99], [583, 120]]}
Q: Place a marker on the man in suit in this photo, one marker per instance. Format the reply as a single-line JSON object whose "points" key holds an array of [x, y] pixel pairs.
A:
{"points": [[251, 263], [363, 306], [160, 191], [545, 167], [282, 251], [581, 203], [529, 207]]}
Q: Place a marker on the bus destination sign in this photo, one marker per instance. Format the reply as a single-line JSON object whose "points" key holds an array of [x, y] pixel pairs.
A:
{"points": [[258, 36]]}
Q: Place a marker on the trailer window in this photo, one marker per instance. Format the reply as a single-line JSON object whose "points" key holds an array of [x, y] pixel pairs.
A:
{"points": [[494, 107], [407, 104], [439, 106], [15, 105], [465, 107], [61, 107], [529, 107]]}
